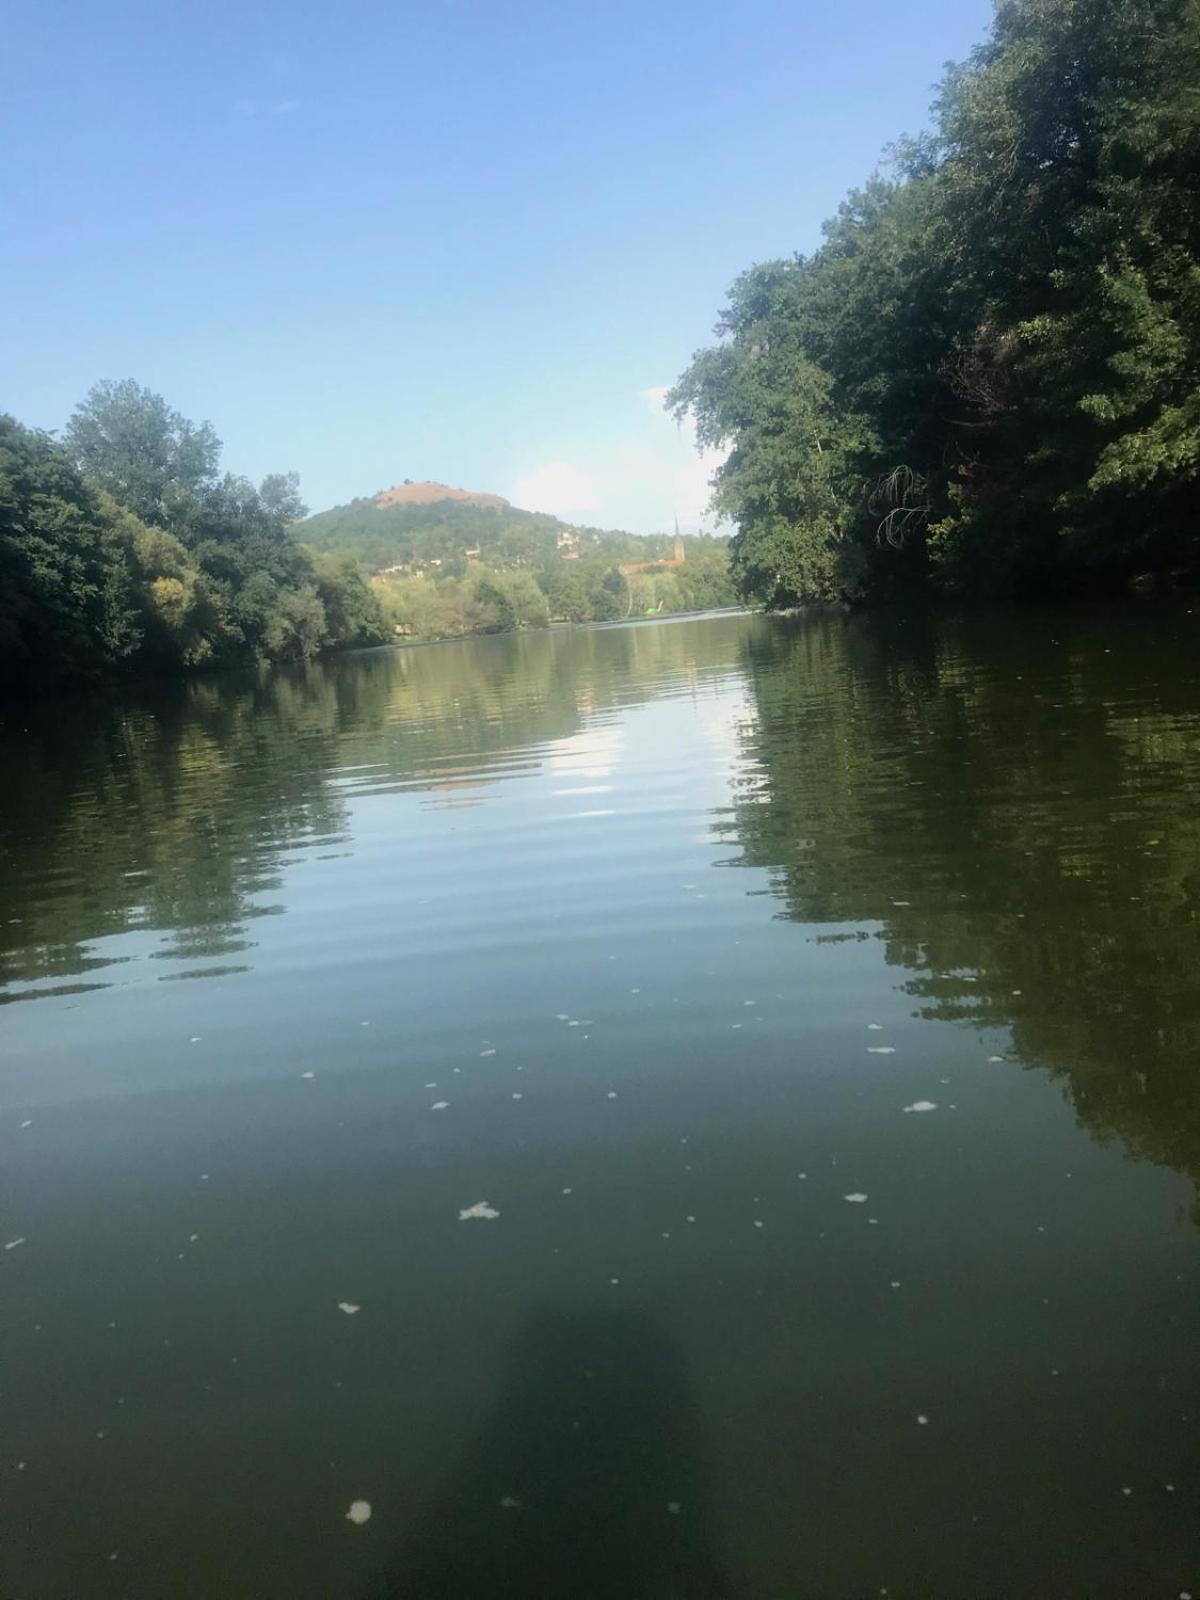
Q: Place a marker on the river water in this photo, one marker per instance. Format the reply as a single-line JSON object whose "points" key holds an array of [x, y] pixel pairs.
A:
{"points": [[708, 1108]]}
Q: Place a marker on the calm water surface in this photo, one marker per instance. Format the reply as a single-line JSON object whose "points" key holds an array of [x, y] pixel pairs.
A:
{"points": [[704, 1109]]}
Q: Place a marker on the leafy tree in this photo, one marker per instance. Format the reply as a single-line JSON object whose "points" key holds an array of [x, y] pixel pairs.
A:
{"points": [[127, 440], [986, 377], [65, 602]]}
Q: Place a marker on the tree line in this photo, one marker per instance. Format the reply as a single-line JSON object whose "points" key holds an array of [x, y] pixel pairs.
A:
{"points": [[986, 381], [125, 547], [462, 597]]}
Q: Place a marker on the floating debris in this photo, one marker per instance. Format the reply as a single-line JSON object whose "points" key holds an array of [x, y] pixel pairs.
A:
{"points": [[359, 1512], [874, 1027], [673, 1507], [349, 1308], [518, 1096], [612, 1094], [881, 1050], [995, 1058], [854, 1199], [922, 1421], [922, 1105], [28, 1123], [490, 1052], [13, 1243], [480, 1211], [308, 1074], [568, 1191], [510, 1502], [439, 1105], [757, 1223]]}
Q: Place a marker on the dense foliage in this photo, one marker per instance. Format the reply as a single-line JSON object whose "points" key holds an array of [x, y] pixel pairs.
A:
{"points": [[460, 597], [987, 378], [125, 547]]}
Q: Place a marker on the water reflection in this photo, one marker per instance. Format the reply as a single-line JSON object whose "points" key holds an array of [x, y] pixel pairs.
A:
{"points": [[1012, 804], [174, 817]]}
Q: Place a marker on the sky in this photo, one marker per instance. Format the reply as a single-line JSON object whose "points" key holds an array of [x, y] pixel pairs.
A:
{"points": [[470, 241]]}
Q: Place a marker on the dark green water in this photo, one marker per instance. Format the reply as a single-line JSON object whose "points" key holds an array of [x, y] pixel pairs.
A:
{"points": [[681, 922]]}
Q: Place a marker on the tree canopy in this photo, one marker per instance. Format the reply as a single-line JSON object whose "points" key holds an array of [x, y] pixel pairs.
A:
{"points": [[987, 378], [124, 547]]}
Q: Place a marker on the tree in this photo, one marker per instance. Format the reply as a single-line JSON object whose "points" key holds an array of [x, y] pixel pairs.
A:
{"points": [[127, 440], [986, 377], [65, 603]]}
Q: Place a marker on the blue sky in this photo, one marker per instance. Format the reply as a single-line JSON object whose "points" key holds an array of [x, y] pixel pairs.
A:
{"points": [[469, 241]]}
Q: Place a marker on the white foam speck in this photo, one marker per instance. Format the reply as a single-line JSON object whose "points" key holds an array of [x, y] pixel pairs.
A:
{"points": [[192, 1238], [195, 1039], [995, 1058], [673, 1507], [439, 1105], [568, 1191], [612, 1094], [895, 1283], [13, 1243], [614, 1280], [922, 1105], [349, 1308], [757, 1223], [923, 1421], [560, 1016], [854, 1199], [431, 1085], [518, 1096], [308, 1074], [874, 1027], [480, 1211], [881, 1050], [28, 1123], [510, 1502], [359, 1512]]}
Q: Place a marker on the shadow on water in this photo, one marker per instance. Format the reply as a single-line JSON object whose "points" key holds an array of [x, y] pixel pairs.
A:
{"points": [[588, 1481]]}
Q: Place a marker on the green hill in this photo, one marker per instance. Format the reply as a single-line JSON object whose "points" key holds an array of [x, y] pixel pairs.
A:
{"points": [[418, 525]]}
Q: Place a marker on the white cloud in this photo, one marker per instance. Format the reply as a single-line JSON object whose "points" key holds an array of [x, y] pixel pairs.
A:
{"points": [[641, 480], [558, 487]]}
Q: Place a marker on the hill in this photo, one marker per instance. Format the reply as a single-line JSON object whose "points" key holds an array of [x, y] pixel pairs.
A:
{"points": [[415, 526], [429, 493]]}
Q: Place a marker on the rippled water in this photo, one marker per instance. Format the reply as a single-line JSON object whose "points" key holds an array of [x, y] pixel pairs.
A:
{"points": [[806, 1018]]}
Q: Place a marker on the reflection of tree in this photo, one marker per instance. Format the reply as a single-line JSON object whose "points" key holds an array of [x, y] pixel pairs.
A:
{"points": [[1014, 801], [175, 814]]}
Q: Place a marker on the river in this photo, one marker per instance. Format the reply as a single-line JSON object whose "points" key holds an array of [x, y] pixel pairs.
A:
{"points": [[706, 1108]]}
